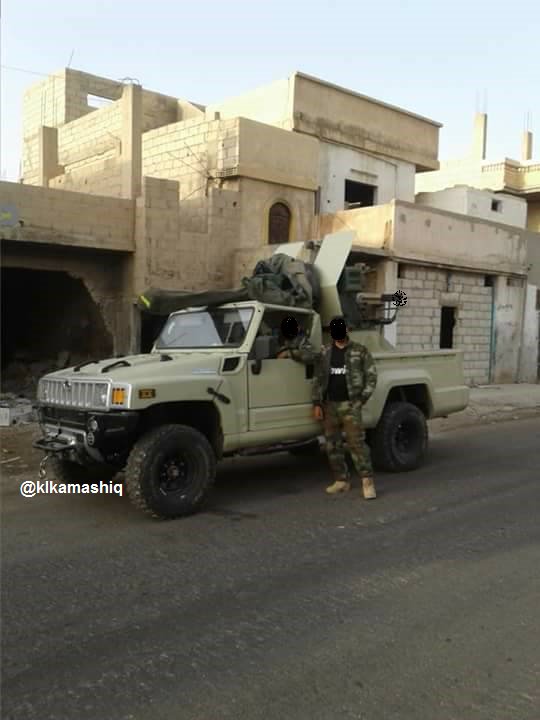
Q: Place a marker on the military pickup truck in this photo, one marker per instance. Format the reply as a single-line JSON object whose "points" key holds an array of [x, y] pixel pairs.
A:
{"points": [[213, 387]]}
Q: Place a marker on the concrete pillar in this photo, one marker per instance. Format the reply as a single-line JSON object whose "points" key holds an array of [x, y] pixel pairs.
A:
{"points": [[526, 146], [480, 136], [48, 154], [132, 125], [387, 282]]}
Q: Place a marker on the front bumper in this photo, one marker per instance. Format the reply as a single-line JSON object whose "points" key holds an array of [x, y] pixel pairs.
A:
{"points": [[68, 431]]}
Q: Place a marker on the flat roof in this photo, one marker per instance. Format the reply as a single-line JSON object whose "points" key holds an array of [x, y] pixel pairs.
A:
{"points": [[366, 97]]}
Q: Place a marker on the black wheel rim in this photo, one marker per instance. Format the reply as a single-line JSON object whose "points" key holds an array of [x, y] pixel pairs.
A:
{"points": [[406, 438], [175, 475]]}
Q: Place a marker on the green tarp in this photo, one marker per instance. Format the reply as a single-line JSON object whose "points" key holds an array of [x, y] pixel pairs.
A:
{"points": [[280, 280]]}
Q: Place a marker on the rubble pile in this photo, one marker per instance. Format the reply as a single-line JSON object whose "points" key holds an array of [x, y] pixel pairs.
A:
{"points": [[16, 410], [20, 377]]}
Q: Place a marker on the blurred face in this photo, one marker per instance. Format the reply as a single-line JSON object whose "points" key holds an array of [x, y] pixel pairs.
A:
{"points": [[338, 329], [289, 328]]}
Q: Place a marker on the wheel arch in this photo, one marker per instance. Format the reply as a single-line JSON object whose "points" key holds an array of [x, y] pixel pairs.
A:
{"points": [[200, 415], [415, 393]]}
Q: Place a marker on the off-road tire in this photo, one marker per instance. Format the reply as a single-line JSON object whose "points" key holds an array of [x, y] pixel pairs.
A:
{"points": [[147, 459], [311, 449], [70, 473], [400, 422]]}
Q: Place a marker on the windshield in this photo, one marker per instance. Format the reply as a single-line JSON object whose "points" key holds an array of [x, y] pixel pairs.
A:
{"points": [[216, 327]]}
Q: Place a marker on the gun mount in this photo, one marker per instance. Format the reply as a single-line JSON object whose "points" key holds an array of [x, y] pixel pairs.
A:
{"points": [[364, 310]]}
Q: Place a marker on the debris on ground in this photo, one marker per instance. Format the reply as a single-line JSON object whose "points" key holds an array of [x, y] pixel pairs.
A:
{"points": [[16, 410]]}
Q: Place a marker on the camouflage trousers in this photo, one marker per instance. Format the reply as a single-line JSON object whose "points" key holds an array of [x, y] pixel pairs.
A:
{"points": [[341, 418]]}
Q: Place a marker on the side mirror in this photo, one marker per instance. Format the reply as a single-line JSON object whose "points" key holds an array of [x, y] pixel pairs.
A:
{"points": [[265, 347]]}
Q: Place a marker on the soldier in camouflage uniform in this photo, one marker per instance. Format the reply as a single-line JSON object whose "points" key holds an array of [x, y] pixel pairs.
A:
{"points": [[294, 344], [345, 379]]}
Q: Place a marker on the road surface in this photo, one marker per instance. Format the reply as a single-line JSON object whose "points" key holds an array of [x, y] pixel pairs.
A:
{"points": [[281, 603]]}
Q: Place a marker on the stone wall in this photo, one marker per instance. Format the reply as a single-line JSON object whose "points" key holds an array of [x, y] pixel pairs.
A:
{"points": [[419, 322]]}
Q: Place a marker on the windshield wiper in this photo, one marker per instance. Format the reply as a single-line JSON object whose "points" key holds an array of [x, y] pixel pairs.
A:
{"points": [[163, 357], [118, 363]]}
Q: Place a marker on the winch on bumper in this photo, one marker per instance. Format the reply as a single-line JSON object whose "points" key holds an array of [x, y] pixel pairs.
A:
{"points": [[85, 435]]}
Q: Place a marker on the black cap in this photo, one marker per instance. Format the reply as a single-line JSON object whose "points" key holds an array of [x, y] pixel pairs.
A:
{"points": [[338, 328], [289, 328]]}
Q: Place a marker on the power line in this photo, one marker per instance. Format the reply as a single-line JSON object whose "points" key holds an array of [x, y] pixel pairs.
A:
{"points": [[191, 193], [29, 72], [195, 156], [204, 171]]}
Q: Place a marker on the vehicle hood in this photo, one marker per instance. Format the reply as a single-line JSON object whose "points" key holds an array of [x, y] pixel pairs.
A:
{"points": [[146, 367]]}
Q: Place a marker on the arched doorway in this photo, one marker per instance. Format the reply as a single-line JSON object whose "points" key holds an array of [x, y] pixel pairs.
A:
{"points": [[279, 224]]}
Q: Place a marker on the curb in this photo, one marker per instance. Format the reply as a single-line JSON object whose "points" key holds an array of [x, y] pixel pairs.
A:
{"points": [[475, 417]]}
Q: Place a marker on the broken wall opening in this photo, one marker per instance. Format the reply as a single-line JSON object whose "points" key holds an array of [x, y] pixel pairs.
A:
{"points": [[49, 321]]}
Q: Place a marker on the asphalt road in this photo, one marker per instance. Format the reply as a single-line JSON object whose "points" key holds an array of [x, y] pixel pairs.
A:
{"points": [[279, 602]]}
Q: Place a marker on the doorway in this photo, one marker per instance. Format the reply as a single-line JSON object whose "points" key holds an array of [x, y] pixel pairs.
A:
{"points": [[448, 321]]}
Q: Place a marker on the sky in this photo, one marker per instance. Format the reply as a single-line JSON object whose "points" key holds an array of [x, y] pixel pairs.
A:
{"points": [[443, 60]]}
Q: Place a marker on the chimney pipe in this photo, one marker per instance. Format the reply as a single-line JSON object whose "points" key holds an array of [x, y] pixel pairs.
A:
{"points": [[480, 136], [526, 146]]}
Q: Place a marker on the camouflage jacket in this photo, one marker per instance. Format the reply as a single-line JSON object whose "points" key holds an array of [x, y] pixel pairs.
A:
{"points": [[301, 350], [361, 373]]}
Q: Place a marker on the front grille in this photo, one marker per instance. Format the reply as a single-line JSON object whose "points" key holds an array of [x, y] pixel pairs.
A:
{"points": [[73, 393], [64, 416]]}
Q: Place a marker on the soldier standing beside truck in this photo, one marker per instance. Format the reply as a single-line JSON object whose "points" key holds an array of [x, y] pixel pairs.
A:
{"points": [[345, 379]]}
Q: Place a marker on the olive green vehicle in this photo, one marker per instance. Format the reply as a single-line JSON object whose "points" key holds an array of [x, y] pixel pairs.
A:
{"points": [[213, 387]]}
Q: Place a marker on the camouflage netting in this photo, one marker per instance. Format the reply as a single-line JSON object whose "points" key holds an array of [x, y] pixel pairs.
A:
{"points": [[280, 280]]}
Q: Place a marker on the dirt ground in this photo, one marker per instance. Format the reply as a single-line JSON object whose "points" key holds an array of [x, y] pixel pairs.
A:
{"points": [[17, 453]]}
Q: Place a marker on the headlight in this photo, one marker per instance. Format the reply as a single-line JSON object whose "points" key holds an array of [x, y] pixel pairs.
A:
{"points": [[101, 392]]}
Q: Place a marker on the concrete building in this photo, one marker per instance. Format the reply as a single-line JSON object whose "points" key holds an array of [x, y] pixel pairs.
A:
{"points": [[511, 177], [507, 192], [465, 281], [149, 190]]}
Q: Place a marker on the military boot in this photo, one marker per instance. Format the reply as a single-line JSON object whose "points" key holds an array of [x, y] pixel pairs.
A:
{"points": [[338, 486], [368, 488]]}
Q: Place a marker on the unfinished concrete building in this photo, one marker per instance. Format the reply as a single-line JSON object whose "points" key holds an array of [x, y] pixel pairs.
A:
{"points": [[148, 190]]}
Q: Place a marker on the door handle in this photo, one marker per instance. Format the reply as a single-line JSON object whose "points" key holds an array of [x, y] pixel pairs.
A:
{"points": [[309, 372]]}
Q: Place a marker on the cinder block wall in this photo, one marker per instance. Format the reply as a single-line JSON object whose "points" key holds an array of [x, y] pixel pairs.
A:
{"points": [[158, 110], [419, 322], [188, 152], [80, 219], [89, 151], [43, 104]]}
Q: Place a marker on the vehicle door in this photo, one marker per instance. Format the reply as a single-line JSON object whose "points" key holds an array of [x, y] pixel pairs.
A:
{"points": [[279, 395]]}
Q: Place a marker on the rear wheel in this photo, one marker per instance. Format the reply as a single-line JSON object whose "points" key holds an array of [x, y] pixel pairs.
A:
{"points": [[399, 442], [170, 471]]}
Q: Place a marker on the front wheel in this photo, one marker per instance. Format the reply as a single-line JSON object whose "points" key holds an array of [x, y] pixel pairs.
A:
{"points": [[170, 471], [399, 442], [71, 473]]}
